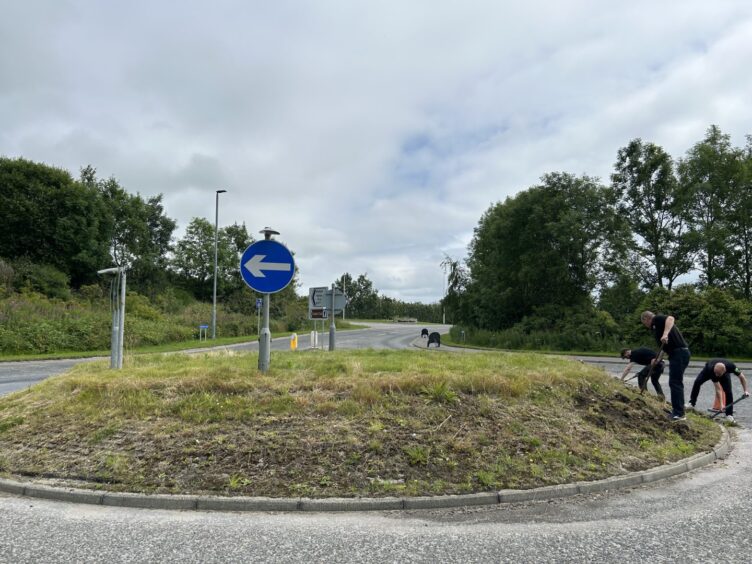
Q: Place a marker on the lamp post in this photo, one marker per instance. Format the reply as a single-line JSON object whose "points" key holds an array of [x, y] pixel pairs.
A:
{"points": [[216, 236]]}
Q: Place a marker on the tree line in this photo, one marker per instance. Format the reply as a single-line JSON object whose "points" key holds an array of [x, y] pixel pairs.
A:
{"points": [[569, 262], [58, 231]]}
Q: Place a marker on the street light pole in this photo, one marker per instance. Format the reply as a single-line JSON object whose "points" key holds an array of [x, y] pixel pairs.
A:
{"points": [[216, 237]]}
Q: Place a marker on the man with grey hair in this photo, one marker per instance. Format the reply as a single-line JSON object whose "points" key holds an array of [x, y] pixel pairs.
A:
{"points": [[671, 341], [719, 371]]}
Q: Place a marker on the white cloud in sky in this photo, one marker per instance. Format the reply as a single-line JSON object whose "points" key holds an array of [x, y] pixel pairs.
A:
{"points": [[372, 135]]}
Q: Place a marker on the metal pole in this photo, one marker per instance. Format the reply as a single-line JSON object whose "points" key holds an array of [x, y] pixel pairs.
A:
{"points": [[443, 306], [115, 305], [332, 327], [121, 321], [265, 338], [216, 237]]}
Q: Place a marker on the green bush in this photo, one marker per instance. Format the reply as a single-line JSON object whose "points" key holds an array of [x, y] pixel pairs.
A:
{"points": [[713, 321], [41, 278]]}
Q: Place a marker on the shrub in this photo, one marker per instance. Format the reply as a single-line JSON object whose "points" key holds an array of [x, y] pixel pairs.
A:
{"points": [[41, 278]]}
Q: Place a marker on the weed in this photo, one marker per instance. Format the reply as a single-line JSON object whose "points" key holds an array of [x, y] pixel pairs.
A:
{"points": [[104, 433], [417, 455], [375, 427], [375, 445], [485, 478], [10, 422], [237, 481], [440, 393]]}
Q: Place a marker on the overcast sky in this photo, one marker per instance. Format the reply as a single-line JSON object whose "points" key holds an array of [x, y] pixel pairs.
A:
{"points": [[372, 135]]}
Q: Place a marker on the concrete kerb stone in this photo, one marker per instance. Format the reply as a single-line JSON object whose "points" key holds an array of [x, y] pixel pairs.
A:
{"points": [[722, 449], [63, 494], [446, 501], [12, 487], [352, 504], [211, 503], [143, 501], [215, 503]]}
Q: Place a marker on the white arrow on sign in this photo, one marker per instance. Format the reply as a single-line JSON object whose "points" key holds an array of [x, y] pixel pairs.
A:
{"points": [[256, 267]]}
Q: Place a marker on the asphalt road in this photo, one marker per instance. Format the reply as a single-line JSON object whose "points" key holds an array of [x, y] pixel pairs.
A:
{"points": [[698, 517]]}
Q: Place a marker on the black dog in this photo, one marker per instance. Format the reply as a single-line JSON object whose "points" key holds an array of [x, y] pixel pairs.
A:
{"points": [[424, 333], [434, 338]]}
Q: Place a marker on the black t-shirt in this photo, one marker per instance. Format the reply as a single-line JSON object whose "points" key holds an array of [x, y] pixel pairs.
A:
{"points": [[730, 368], [675, 338], [643, 356]]}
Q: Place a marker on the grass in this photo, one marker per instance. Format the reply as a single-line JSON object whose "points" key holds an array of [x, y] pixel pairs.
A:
{"points": [[345, 423]]}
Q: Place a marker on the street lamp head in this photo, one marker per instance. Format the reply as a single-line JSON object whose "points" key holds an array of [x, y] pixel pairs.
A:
{"points": [[268, 232], [220, 191], [107, 271]]}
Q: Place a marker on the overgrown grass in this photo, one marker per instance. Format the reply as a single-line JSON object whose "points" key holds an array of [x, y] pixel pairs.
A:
{"points": [[341, 423], [35, 327]]}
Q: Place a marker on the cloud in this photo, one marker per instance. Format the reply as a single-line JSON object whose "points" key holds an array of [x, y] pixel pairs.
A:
{"points": [[373, 136]]}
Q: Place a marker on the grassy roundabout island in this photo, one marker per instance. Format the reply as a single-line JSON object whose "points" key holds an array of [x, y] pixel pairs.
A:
{"points": [[348, 423]]}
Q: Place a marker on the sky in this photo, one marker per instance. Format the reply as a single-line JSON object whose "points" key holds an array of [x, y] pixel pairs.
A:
{"points": [[372, 135]]}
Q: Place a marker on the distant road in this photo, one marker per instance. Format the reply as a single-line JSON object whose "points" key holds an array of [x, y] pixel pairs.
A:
{"points": [[19, 375]]}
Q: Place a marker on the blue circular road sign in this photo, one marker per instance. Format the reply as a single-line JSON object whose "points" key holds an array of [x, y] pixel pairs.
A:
{"points": [[267, 266]]}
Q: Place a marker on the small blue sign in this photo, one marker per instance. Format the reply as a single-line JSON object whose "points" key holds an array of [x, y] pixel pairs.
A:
{"points": [[267, 266], [259, 303]]}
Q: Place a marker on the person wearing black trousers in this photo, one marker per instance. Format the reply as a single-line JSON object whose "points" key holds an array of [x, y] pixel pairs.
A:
{"points": [[668, 336], [644, 357], [719, 371]]}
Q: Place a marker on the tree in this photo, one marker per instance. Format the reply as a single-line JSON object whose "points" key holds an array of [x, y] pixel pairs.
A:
{"points": [[711, 173], [50, 219], [651, 203], [740, 236], [457, 281], [193, 259], [363, 299], [140, 233], [551, 244]]}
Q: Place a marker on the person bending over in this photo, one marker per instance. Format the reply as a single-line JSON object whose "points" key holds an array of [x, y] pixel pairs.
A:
{"points": [[719, 371], [644, 357]]}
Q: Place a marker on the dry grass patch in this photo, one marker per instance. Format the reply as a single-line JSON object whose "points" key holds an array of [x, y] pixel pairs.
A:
{"points": [[337, 424]]}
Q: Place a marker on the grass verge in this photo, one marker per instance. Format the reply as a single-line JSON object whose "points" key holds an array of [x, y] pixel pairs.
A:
{"points": [[167, 347], [346, 423]]}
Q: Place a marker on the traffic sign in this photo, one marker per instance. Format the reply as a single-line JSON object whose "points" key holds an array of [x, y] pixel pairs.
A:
{"points": [[318, 313], [259, 303], [316, 297], [267, 266]]}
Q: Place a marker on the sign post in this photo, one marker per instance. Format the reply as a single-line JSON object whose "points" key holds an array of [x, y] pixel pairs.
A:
{"points": [[259, 304], [332, 326], [266, 266]]}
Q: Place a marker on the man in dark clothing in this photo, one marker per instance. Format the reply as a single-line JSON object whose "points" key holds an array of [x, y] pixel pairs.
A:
{"points": [[644, 356], [668, 336], [719, 371]]}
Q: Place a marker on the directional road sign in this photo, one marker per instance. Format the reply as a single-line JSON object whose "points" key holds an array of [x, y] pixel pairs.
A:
{"points": [[317, 297], [267, 266]]}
